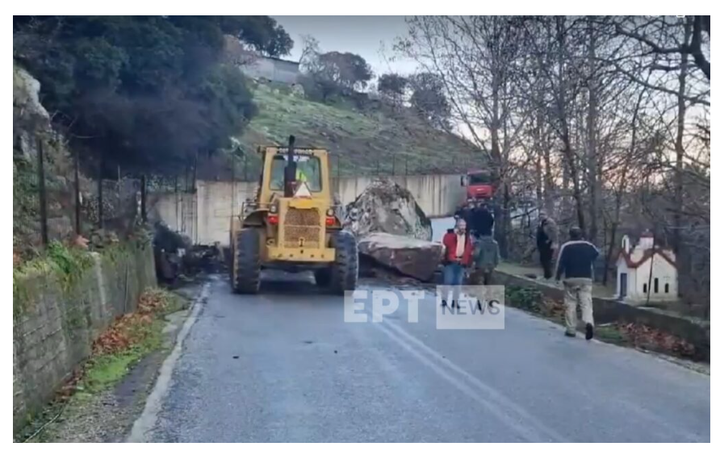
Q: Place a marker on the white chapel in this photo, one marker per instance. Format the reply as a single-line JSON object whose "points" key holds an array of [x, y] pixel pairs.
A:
{"points": [[645, 268]]}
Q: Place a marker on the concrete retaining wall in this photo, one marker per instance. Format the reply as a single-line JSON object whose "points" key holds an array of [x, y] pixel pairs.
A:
{"points": [[608, 310], [205, 216], [56, 324]]}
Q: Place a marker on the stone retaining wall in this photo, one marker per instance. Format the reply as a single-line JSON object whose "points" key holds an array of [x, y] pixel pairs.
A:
{"points": [[57, 323]]}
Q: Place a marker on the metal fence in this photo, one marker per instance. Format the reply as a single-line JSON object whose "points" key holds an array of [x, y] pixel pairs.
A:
{"points": [[54, 200], [68, 201], [247, 168]]}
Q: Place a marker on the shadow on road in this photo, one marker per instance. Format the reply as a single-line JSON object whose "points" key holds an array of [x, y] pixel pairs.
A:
{"points": [[276, 282]]}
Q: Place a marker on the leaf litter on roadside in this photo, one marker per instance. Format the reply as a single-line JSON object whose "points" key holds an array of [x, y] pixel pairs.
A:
{"points": [[131, 328]]}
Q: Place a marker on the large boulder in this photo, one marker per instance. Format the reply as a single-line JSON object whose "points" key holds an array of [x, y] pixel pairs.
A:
{"points": [[412, 257], [387, 207]]}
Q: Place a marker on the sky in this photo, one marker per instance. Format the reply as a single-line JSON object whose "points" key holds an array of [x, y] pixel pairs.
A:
{"points": [[362, 35]]}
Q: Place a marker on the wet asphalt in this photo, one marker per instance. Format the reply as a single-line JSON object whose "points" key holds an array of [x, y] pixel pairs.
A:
{"points": [[284, 366]]}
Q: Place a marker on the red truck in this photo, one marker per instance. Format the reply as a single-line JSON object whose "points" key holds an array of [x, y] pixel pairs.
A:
{"points": [[479, 184]]}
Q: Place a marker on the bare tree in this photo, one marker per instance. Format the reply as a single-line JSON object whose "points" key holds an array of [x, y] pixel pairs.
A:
{"points": [[608, 113], [475, 58], [645, 31]]}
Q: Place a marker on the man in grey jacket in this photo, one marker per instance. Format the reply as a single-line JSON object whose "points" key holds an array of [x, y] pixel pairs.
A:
{"points": [[486, 256]]}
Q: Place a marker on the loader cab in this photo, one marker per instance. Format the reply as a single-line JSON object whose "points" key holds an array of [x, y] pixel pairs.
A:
{"points": [[307, 170], [310, 168]]}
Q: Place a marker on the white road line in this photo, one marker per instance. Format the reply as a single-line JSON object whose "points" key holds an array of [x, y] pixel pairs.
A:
{"points": [[495, 402], [525, 433], [146, 422]]}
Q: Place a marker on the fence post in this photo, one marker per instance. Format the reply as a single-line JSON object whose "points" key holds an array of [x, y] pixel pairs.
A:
{"points": [[42, 195], [76, 165], [245, 168], [194, 177], [100, 190], [143, 198], [233, 188], [177, 203]]}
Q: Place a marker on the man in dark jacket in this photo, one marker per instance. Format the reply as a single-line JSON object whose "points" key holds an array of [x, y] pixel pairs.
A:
{"points": [[546, 242], [463, 212], [482, 221], [575, 262]]}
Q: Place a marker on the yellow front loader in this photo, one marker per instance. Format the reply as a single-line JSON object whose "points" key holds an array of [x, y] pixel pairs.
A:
{"points": [[292, 224]]}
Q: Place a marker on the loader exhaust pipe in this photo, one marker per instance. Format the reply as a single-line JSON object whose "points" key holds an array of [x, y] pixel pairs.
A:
{"points": [[290, 169]]}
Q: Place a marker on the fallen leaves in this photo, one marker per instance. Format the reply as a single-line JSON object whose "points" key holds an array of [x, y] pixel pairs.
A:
{"points": [[131, 328], [653, 339], [634, 334]]}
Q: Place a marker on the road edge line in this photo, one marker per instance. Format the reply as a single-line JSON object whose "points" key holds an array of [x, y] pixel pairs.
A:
{"points": [[147, 420]]}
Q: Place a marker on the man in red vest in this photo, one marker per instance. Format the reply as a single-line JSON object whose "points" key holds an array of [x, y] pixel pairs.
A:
{"points": [[458, 254]]}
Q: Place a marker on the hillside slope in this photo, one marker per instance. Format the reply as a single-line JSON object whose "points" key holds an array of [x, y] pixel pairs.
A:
{"points": [[361, 142]]}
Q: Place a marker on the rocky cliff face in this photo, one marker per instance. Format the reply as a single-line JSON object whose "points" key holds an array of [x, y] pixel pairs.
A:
{"points": [[32, 128], [30, 119]]}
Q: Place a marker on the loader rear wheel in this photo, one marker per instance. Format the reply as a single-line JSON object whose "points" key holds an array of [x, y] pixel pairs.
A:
{"points": [[344, 271], [246, 268]]}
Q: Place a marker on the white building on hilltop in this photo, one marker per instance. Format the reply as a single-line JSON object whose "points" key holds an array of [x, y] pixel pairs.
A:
{"points": [[644, 269]]}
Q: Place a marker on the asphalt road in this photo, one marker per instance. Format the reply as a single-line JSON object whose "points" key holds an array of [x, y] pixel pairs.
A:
{"points": [[284, 366]]}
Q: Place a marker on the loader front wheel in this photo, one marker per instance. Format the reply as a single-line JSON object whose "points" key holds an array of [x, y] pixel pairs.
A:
{"points": [[246, 267], [344, 271]]}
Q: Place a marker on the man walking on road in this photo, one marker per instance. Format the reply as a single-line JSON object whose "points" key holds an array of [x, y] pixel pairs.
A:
{"points": [[575, 261], [546, 242], [458, 254]]}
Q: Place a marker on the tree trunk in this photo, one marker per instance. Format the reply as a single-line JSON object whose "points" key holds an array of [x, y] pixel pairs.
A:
{"points": [[549, 182], [621, 187], [679, 148], [575, 177], [561, 101], [679, 158], [592, 158]]}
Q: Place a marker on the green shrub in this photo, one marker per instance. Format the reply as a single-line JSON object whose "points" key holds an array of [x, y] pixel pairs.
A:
{"points": [[526, 298]]}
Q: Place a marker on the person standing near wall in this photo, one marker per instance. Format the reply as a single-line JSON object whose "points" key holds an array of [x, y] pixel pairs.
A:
{"points": [[469, 217], [575, 262], [458, 255], [486, 256], [462, 212], [483, 221], [546, 242]]}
